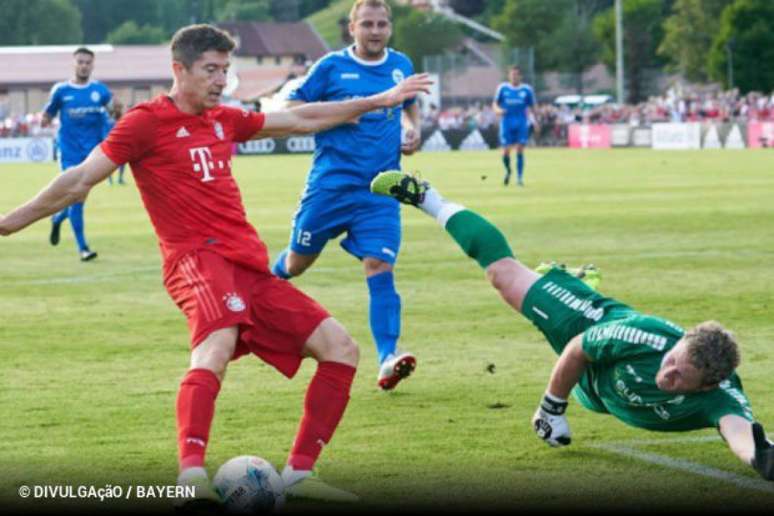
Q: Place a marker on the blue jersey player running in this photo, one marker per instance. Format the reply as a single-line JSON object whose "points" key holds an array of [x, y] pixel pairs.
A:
{"points": [[80, 104], [337, 197], [512, 103]]}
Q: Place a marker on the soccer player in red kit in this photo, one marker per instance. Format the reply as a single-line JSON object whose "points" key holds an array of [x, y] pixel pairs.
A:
{"points": [[215, 265]]}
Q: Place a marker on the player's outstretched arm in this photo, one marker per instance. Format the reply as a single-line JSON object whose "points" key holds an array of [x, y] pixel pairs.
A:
{"points": [[549, 420], [68, 188], [314, 117], [748, 442]]}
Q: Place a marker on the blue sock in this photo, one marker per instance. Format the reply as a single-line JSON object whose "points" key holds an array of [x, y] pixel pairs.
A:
{"points": [[507, 164], [59, 217], [384, 313], [279, 269], [520, 165], [75, 213]]}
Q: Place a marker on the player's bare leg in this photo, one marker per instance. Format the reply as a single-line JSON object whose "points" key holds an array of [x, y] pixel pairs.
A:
{"points": [[384, 315], [195, 410], [291, 264], [326, 399]]}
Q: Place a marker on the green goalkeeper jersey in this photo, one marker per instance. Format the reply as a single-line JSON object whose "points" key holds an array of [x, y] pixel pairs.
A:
{"points": [[625, 355]]}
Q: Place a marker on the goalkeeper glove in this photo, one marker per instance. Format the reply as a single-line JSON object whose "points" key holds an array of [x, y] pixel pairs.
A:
{"points": [[763, 462], [549, 421]]}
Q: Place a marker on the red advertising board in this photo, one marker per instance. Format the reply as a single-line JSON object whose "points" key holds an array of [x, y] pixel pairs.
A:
{"points": [[760, 134], [583, 136]]}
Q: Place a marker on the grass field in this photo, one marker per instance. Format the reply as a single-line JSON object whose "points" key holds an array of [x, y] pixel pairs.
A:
{"points": [[93, 353]]}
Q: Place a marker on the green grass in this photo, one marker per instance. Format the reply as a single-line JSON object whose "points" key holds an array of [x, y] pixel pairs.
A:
{"points": [[326, 21], [93, 353]]}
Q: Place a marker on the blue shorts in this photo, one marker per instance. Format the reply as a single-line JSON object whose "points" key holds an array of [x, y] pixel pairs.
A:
{"points": [[372, 223], [514, 134]]}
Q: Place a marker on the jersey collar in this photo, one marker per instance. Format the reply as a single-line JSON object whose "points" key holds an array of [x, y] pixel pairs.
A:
{"points": [[358, 60], [80, 86]]}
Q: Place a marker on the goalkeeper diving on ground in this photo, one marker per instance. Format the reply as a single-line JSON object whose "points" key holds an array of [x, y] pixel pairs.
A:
{"points": [[644, 370]]}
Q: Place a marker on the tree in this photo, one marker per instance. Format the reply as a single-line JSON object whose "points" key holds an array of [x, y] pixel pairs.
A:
{"points": [[642, 20], [39, 22], [688, 36], [574, 47], [244, 10], [468, 7], [747, 33], [531, 23], [129, 33], [101, 17], [419, 34]]}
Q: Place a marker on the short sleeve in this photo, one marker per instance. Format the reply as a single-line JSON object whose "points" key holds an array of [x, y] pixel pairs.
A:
{"points": [[245, 124], [54, 101], [727, 399], [107, 96], [498, 94], [312, 88], [131, 138]]}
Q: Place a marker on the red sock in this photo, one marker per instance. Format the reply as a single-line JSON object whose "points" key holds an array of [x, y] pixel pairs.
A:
{"points": [[326, 398], [195, 409]]}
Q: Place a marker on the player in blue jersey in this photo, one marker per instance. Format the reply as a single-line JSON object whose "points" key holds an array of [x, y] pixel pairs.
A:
{"points": [[80, 104], [512, 103], [337, 197]]}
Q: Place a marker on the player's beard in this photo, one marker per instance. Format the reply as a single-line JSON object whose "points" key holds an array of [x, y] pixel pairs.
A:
{"points": [[374, 49]]}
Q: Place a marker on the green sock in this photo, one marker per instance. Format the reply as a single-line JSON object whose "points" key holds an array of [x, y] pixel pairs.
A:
{"points": [[479, 238]]}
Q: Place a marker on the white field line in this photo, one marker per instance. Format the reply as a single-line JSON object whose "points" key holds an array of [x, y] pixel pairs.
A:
{"points": [[628, 449], [90, 278]]}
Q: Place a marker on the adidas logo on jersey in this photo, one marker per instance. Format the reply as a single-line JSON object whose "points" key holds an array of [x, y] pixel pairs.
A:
{"points": [[183, 133]]}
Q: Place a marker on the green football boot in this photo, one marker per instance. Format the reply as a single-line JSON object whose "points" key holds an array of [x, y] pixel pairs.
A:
{"points": [[405, 188], [589, 273]]}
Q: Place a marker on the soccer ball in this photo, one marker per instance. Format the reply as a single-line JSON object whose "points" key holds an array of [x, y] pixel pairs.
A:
{"points": [[249, 485]]}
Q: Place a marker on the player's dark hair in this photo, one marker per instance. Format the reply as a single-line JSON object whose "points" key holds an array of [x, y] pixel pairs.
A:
{"points": [[712, 350], [189, 43], [516, 68], [368, 3], [83, 50]]}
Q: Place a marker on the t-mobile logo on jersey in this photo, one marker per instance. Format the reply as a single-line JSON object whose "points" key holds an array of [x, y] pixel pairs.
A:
{"points": [[202, 162]]}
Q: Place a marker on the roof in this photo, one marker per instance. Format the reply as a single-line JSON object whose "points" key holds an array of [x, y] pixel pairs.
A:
{"points": [[46, 65], [260, 82], [276, 39]]}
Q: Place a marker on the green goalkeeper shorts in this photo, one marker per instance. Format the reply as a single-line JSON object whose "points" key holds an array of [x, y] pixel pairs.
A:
{"points": [[562, 306]]}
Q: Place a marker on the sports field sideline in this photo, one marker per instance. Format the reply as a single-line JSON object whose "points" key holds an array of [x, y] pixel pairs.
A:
{"points": [[94, 352]]}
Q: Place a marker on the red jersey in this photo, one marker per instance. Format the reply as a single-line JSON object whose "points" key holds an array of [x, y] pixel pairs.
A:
{"points": [[182, 166]]}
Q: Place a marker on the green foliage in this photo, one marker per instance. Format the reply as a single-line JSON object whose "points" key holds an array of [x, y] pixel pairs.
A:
{"points": [[419, 34], [128, 33], [688, 35], [326, 22], [642, 21], [532, 23], [101, 17], [244, 10], [559, 31], [747, 26], [39, 22]]}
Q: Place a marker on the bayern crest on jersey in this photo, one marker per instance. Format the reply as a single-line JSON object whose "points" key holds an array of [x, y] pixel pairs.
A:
{"points": [[219, 131], [234, 302]]}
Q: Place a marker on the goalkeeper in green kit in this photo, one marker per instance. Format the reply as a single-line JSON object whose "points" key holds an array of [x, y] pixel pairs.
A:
{"points": [[644, 370]]}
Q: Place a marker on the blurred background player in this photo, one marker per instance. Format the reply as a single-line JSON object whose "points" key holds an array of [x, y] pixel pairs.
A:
{"points": [[81, 105], [512, 102], [111, 117], [644, 370], [346, 160]]}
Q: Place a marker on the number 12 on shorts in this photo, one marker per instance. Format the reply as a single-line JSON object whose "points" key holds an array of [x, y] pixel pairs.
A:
{"points": [[304, 238]]}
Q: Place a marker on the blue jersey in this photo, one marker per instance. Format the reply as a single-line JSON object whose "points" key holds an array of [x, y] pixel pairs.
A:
{"points": [[350, 155], [514, 100], [81, 111]]}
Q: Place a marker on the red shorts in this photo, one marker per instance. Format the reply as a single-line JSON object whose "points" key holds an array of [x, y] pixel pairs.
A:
{"points": [[275, 319]]}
